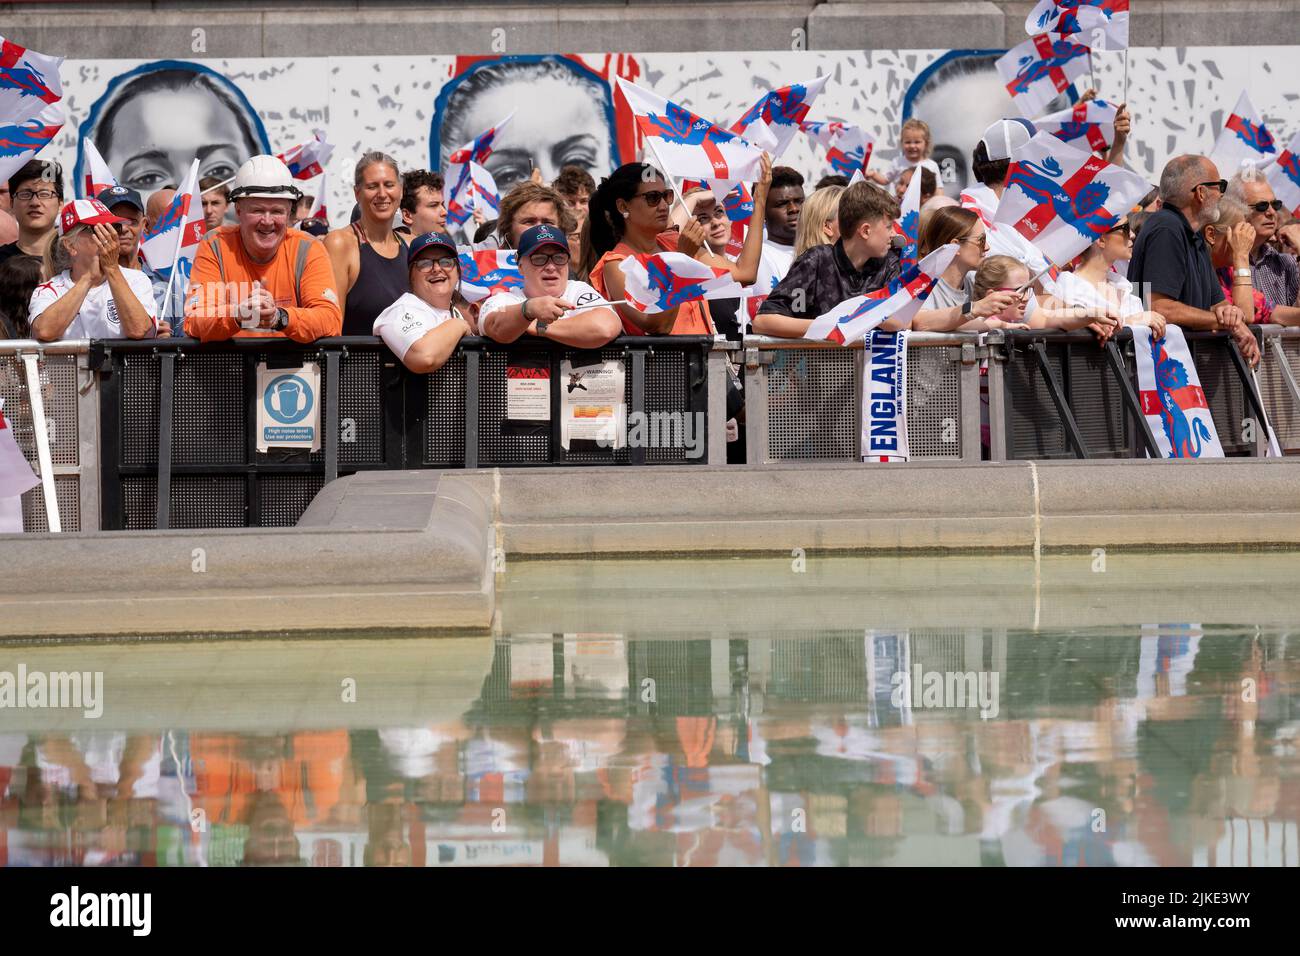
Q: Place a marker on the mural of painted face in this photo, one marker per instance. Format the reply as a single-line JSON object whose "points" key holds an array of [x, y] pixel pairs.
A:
{"points": [[159, 122], [560, 118]]}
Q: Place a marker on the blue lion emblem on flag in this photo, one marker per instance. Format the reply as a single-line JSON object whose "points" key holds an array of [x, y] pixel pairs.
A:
{"points": [[1185, 439], [1031, 69], [1289, 163], [1085, 212], [846, 163], [680, 125], [29, 136], [168, 220], [670, 290]]}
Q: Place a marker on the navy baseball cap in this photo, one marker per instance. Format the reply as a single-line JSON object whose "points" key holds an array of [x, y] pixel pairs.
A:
{"points": [[424, 241], [543, 235], [113, 195]]}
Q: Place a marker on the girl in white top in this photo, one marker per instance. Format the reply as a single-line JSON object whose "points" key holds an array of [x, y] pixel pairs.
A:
{"points": [[1096, 287], [93, 297], [424, 325]]}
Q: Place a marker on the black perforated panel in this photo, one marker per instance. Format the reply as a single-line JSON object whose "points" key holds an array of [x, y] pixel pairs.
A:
{"points": [[1222, 386], [444, 420], [494, 446], [1036, 429], [283, 498], [1095, 400], [208, 412], [812, 405], [361, 408]]}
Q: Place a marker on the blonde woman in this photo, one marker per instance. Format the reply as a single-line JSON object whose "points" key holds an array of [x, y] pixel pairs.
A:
{"points": [[819, 220]]}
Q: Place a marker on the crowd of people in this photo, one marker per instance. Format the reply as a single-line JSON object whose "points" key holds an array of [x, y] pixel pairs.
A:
{"points": [[1207, 249]]}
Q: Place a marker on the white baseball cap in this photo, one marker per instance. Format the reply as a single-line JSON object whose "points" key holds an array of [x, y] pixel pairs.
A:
{"points": [[1006, 135]]}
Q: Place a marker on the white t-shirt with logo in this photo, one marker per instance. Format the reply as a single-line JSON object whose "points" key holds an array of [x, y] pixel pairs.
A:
{"points": [[97, 318], [407, 321], [579, 294]]}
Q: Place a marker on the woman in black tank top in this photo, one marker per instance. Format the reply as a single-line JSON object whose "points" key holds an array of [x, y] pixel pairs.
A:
{"points": [[368, 257]]}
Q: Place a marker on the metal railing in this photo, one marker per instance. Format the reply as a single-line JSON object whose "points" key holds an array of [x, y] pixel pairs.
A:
{"points": [[179, 419], [51, 399], [1057, 394], [803, 398]]}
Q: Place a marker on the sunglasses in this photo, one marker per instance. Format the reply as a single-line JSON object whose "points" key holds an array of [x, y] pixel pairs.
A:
{"points": [[1265, 205], [982, 241], [655, 196], [540, 259], [1220, 184], [1125, 230], [445, 263]]}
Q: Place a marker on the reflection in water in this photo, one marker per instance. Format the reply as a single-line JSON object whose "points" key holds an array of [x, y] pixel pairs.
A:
{"points": [[1170, 746]]}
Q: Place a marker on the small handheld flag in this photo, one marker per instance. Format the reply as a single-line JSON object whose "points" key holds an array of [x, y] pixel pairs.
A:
{"points": [[16, 475], [688, 145], [29, 82], [21, 141], [772, 122], [474, 188], [1092, 123], [848, 147], [1062, 199], [665, 280], [1040, 69], [1244, 140], [908, 224], [319, 209], [1284, 176], [308, 160], [98, 176], [1099, 24], [488, 272], [900, 299]]}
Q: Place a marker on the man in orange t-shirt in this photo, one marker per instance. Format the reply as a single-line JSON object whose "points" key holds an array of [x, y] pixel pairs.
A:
{"points": [[259, 277]]}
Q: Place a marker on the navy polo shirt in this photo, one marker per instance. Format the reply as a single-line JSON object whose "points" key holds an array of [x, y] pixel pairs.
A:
{"points": [[1170, 259]]}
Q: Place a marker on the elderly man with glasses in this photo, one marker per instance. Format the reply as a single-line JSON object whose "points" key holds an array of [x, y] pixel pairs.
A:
{"points": [[1272, 271], [1171, 263]]}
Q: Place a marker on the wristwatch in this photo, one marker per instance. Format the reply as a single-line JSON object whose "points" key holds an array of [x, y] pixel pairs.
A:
{"points": [[966, 307], [1243, 273], [281, 319]]}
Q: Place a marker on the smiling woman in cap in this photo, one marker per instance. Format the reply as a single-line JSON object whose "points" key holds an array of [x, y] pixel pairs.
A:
{"points": [[552, 306], [95, 297], [423, 326]]}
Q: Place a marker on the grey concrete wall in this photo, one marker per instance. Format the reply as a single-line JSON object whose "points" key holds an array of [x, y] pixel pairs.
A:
{"points": [[139, 29]]}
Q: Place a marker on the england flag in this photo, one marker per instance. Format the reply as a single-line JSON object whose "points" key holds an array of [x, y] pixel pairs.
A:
{"points": [[772, 122], [308, 160], [488, 272], [473, 188], [848, 147], [665, 280], [29, 82], [172, 244], [319, 206], [1244, 140], [688, 145], [1284, 176], [1099, 24], [98, 176], [16, 477], [1040, 69], [21, 140], [1092, 123], [901, 299], [908, 224], [1062, 199]]}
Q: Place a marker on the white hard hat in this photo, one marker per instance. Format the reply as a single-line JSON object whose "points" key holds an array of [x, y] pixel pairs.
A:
{"points": [[264, 177]]}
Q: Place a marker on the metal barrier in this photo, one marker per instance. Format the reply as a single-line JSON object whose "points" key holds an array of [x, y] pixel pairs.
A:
{"points": [[179, 420], [1278, 375], [65, 452], [1057, 395], [803, 398]]}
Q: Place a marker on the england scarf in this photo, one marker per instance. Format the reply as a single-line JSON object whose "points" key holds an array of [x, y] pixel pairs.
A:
{"points": [[884, 397]]}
